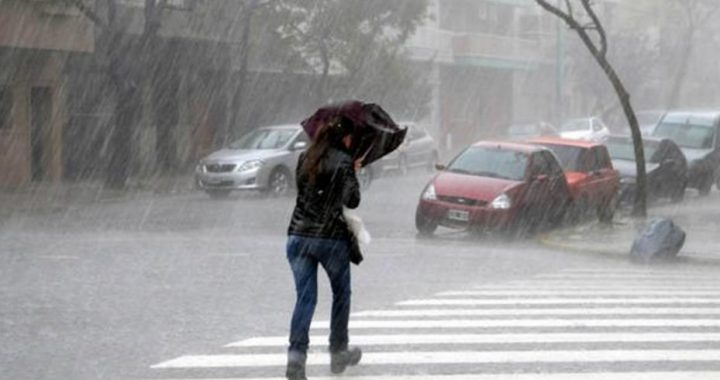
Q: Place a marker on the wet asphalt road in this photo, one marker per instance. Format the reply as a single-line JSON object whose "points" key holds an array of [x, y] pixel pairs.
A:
{"points": [[104, 290]]}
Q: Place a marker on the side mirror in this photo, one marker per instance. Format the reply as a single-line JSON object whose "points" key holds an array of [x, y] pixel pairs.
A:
{"points": [[440, 167], [300, 145]]}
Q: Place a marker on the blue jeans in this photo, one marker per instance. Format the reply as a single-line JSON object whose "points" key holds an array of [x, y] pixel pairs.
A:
{"points": [[304, 254]]}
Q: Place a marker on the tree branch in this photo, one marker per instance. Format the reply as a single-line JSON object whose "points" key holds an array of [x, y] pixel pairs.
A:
{"points": [[569, 20], [598, 26]]}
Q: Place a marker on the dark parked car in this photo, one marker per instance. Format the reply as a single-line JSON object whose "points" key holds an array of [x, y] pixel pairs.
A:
{"points": [[698, 135], [665, 165], [418, 150], [648, 120], [495, 186]]}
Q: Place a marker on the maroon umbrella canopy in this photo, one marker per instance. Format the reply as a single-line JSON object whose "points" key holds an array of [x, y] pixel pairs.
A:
{"points": [[376, 134]]}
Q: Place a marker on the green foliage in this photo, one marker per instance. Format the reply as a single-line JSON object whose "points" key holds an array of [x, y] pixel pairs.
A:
{"points": [[361, 43]]}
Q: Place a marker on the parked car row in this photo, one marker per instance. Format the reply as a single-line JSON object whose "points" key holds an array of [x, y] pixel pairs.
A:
{"points": [[540, 181], [265, 159], [520, 187]]}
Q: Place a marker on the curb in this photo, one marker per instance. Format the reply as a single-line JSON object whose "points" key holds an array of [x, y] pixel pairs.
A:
{"points": [[548, 241]]}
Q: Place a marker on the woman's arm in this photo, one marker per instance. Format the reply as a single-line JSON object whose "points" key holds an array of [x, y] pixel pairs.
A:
{"points": [[351, 186]]}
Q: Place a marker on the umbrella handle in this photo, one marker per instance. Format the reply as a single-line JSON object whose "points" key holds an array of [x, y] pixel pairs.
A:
{"points": [[362, 158]]}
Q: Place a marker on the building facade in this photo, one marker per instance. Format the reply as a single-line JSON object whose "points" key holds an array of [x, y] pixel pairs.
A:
{"points": [[495, 64], [36, 40]]}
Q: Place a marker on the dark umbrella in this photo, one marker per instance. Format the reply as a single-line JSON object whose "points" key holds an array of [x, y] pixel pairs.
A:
{"points": [[376, 134]]}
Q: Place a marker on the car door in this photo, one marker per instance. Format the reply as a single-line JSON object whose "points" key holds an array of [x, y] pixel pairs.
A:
{"points": [[604, 177], [558, 195], [540, 183]]}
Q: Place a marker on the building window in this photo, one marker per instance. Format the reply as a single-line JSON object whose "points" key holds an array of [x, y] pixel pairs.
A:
{"points": [[6, 103]]}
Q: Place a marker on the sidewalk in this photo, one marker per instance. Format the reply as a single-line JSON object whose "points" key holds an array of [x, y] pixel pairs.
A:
{"points": [[698, 217], [48, 198]]}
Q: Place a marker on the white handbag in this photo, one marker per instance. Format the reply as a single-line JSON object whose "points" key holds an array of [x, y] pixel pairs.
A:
{"points": [[356, 226]]}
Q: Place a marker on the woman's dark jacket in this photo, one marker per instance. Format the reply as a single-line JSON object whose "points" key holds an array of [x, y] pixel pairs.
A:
{"points": [[318, 210]]}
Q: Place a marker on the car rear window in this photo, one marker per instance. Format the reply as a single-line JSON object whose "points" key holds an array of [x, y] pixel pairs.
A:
{"points": [[491, 162], [694, 136], [568, 156]]}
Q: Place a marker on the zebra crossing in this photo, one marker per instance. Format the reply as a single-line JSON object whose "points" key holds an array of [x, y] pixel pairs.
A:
{"points": [[584, 324]]}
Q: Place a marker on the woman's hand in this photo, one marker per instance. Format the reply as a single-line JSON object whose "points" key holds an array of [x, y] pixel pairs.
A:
{"points": [[357, 164]]}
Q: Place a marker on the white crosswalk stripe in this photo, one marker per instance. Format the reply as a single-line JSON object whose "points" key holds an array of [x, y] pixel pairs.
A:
{"points": [[617, 325]]}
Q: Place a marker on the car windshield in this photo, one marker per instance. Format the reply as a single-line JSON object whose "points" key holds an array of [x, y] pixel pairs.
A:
{"points": [[491, 162], [624, 150], [568, 156], [266, 138], [687, 135], [575, 125]]}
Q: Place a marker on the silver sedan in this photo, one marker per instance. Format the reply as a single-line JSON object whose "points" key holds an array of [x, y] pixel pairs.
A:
{"points": [[263, 159]]}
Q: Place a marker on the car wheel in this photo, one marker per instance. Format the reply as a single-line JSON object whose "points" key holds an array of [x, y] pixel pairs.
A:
{"points": [[365, 177], [579, 209], [525, 224], [679, 194], [606, 210], [425, 226], [279, 182], [218, 194], [402, 165], [705, 186]]}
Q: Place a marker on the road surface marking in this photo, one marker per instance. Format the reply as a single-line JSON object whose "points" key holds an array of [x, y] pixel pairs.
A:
{"points": [[419, 339], [543, 311], [544, 301], [519, 376], [559, 293], [541, 323], [627, 276], [595, 286], [450, 357]]}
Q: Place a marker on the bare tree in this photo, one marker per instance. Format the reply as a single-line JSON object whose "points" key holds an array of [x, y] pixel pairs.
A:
{"points": [[599, 50]]}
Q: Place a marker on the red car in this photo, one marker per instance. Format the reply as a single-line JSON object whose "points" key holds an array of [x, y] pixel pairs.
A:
{"points": [[593, 181], [496, 186]]}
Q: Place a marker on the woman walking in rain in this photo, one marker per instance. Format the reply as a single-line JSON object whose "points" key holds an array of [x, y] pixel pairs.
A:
{"points": [[318, 234]]}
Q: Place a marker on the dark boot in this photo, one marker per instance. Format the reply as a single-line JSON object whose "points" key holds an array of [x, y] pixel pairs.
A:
{"points": [[296, 366], [341, 359]]}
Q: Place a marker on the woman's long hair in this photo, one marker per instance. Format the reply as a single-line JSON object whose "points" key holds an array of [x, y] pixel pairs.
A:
{"points": [[327, 136]]}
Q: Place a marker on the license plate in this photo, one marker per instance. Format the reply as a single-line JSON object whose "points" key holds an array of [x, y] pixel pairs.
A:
{"points": [[458, 215]]}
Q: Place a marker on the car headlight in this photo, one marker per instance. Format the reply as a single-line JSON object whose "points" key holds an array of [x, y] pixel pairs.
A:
{"points": [[501, 202], [200, 168], [249, 165], [429, 193]]}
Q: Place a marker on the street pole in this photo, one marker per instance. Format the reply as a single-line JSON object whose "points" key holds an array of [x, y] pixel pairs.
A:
{"points": [[559, 69]]}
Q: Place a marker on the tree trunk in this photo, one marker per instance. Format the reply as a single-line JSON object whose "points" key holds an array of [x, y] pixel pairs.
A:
{"points": [[119, 62], [238, 94], [640, 205]]}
